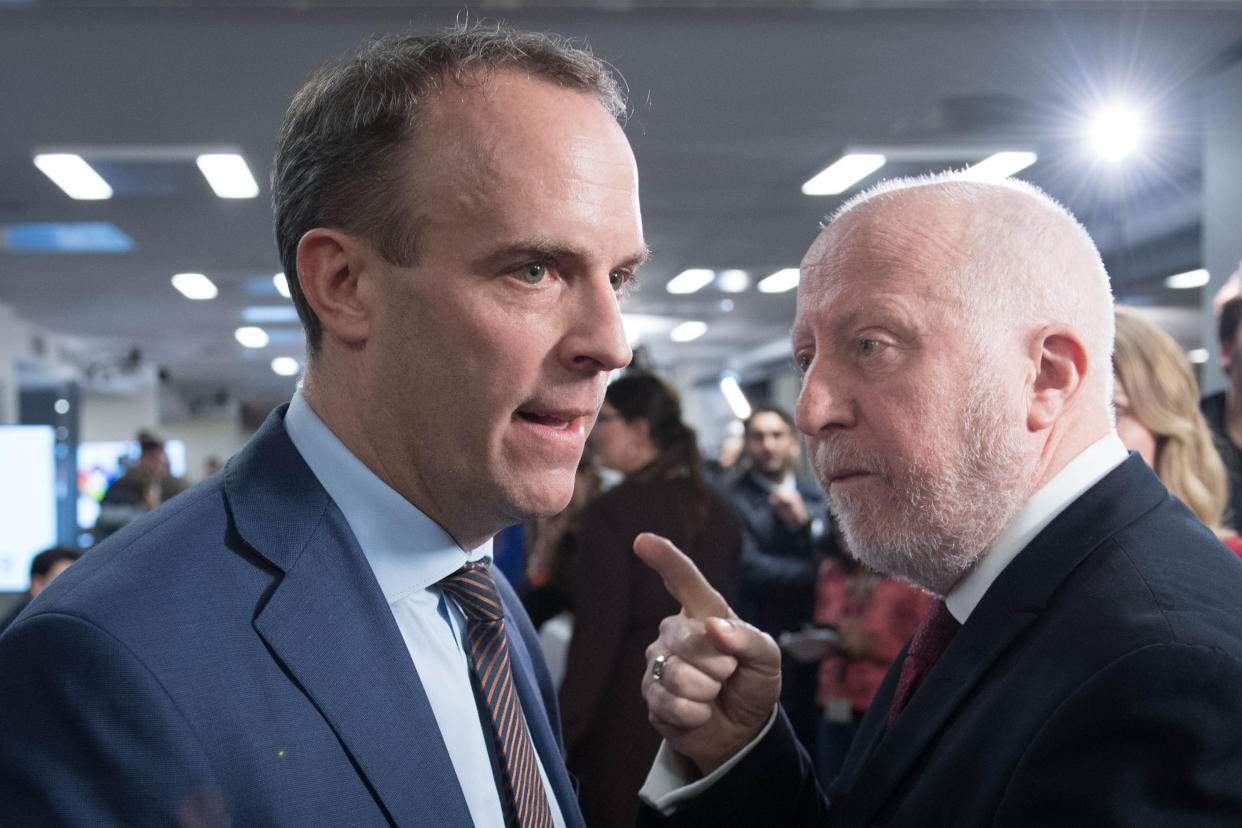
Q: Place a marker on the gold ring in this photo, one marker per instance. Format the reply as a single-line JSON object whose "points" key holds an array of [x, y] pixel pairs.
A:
{"points": [[657, 667]]}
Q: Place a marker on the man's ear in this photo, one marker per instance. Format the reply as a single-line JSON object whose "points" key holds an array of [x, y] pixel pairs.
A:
{"points": [[1060, 361], [330, 266], [1225, 356]]}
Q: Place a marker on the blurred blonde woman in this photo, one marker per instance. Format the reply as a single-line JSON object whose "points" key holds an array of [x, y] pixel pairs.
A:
{"points": [[1157, 402]]}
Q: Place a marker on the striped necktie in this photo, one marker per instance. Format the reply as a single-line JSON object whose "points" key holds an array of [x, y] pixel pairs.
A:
{"points": [[931, 638], [488, 648]]}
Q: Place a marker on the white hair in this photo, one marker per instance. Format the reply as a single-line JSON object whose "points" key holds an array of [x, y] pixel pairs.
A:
{"points": [[1022, 260]]}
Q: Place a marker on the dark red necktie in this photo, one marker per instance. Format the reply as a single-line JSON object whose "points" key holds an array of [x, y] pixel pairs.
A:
{"points": [[930, 639], [488, 648]]}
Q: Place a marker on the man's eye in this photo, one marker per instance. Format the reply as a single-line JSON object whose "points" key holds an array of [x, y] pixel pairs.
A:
{"points": [[802, 362], [533, 274], [618, 279], [867, 347]]}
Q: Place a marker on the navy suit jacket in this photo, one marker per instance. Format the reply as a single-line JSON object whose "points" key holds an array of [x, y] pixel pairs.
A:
{"points": [[1098, 682], [231, 656]]}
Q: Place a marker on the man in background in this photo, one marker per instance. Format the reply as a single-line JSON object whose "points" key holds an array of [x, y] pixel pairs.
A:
{"points": [[1082, 662], [44, 568], [145, 485], [783, 520], [315, 636]]}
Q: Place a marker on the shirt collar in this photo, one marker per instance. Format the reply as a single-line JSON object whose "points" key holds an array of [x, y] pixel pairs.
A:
{"points": [[406, 549], [1078, 475]]}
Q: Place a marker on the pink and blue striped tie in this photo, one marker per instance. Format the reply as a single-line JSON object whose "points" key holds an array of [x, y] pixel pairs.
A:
{"points": [[488, 649]]}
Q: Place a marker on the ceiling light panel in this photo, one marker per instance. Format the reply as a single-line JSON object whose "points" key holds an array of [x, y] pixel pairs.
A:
{"points": [[72, 174], [843, 174], [1189, 279], [688, 331], [194, 286], [780, 281], [228, 175], [690, 281], [285, 366], [999, 166]]}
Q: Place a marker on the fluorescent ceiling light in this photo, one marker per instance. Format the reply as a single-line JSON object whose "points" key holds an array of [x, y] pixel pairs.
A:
{"points": [[844, 173], [733, 281], [1189, 279], [228, 175], [64, 237], [285, 366], [780, 281], [688, 331], [734, 397], [194, 286], [268, 314], [282, 285], [999, 166], [1115, 132], [688, 281], [251, 337], [1197, 356], [73, 175]]}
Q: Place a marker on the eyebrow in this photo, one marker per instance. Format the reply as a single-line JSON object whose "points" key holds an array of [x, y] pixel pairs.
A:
{"points": [[547, 249]]}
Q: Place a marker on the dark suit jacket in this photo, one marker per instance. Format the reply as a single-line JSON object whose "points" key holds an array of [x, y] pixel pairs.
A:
{"points": [[1098, 682], [618, 604], [232, 651], [776, 582]]}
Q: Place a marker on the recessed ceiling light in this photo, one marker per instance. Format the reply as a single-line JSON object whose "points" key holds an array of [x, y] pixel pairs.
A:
{"points": [[780, 281], [228, 175], [733, 281], [268, 314], [285, 366], [1187, 280], [999, 166], [688, 331], [842, 174], [73, 175], [1197, 356], [251, 337], [689, 281], [64, 237], [282, 285], [194, 286]]}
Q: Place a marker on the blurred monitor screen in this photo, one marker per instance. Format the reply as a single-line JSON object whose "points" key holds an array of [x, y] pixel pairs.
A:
{"points": [[27, 500], [102, 461]]}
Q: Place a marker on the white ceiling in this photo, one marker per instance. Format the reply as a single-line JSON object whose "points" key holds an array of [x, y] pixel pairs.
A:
{"points": [[734, 106]]}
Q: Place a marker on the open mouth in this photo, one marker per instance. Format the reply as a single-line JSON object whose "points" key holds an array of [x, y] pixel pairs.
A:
{"points": [[551, 421]]}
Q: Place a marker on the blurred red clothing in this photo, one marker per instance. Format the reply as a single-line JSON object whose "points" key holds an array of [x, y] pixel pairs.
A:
{"points": [[877, 612]]}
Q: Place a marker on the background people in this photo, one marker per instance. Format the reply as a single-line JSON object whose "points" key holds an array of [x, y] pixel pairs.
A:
{"points": [[1156, 400], [1223, 410], [784, 522], [147, 484], [618, 602], [955, 339], [314, 636], [44, 568]]}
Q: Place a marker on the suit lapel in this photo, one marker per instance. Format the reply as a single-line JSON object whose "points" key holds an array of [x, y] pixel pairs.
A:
{"points": [[328, 624], [880, 762]]}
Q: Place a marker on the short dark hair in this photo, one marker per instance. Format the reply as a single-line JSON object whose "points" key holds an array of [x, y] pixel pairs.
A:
{"points": [[345, 131], [1230, 316], [769, 409], [42, 563]]}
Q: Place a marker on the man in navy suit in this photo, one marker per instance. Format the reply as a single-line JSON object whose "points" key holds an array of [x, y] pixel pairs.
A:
{"points": [[459, 216], [1084, 666]]}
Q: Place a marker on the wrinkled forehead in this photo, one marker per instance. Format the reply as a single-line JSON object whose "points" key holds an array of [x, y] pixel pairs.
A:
{"points": [[900, 246]]}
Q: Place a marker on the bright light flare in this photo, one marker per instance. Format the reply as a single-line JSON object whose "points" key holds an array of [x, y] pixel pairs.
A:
{"points": [[1116, 132]]}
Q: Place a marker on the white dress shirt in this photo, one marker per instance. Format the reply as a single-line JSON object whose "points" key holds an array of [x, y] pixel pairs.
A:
{"points": [[669, 782], [409, 554]]}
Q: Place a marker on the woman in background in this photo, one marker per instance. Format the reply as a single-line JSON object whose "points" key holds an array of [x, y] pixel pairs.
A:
{"points": [[618, 602], [1157, 402]]}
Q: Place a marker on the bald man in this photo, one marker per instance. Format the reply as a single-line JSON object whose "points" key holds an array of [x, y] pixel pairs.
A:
{"points": [[1083, 664]]}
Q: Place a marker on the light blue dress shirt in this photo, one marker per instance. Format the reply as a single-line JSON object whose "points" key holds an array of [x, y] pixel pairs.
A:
{"points": [[409, 553]]}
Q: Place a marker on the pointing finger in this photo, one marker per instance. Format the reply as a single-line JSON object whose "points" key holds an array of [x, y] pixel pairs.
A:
{"points": [[681, 577]]}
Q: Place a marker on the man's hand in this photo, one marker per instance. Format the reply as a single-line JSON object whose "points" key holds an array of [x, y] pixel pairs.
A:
{"points": [[789, 508], [721, 677]]}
